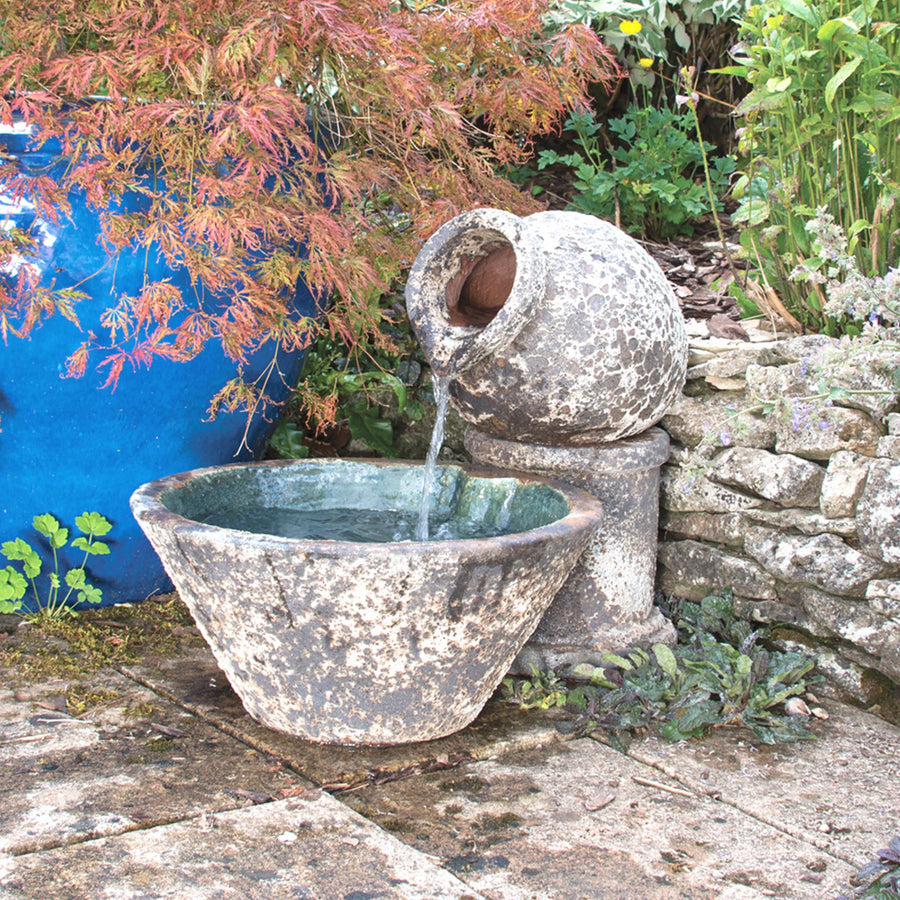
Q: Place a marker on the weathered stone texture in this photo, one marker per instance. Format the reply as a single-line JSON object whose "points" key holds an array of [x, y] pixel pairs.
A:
{"points": [[878, 513], [802, 520], [844, 481], [820, 433], [690, 420], [724, 528], [808, 534], [784, 479], [690, 492], [692, 569], [824, 561]]}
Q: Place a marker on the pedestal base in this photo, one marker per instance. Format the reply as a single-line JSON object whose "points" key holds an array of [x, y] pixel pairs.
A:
{"points": [[607, 602]]}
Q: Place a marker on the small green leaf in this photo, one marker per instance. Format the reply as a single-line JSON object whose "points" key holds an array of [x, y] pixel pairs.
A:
{"points": [[666, 659], [75, 578], [617, 660], [93, 523], [12, 586], [19, 550], [45, 525], [59, 538], [90, 594], [95, 548], [839, 77], [54, 580]]}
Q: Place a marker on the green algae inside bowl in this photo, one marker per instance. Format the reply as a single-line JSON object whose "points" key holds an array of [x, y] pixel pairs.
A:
{"points": [[376, 641]]}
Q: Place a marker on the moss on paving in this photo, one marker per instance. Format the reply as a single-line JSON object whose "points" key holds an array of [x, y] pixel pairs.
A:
{"points": [[75, 647]]}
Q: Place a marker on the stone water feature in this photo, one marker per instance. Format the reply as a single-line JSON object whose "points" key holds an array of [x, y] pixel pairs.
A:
{"points": [[341, 611], [330, 620], [564, 345]]}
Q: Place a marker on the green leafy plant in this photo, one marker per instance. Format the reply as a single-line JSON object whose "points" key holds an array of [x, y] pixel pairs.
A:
{"points": [[879, 879], [262, 138], [717, 675], [656, 179], [669, 33], [346, 385], [820, 131], [52, 602]]}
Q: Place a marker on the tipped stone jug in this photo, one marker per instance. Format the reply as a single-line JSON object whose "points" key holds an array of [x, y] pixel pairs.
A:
{"points": [[556, 328]]}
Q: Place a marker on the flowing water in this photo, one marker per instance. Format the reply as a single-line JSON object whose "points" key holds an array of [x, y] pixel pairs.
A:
{"points": [[441, 400]]}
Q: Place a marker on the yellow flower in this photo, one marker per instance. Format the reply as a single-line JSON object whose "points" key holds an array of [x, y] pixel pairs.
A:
{"points": [[645, 63], [630, 27]]}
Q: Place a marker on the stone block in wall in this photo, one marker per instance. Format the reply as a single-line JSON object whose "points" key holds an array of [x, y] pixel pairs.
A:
{"points": [[878, 512], [866, 373], [691, 420], [716, 528], [823, 561], [821, 431], [884, 597], [734, 363], [683, 491], [844, 481], [784, 479], [694, 570], [892, 420], [804, 521], [889, 447]]}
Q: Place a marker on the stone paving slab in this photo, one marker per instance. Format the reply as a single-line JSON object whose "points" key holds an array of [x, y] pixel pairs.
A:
{"points": [[199, 685], [65, 779], [840, 792], [571, 821], [298, 849]]}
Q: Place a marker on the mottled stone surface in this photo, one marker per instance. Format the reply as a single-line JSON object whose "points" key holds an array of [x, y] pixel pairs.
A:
{"points": [[689, 492], [607, 601], [721, 417], [346, 642], [878, 513], [782, 478], [844, 481], [824, 560], [693, 569], [818, 433], [589, 345]]}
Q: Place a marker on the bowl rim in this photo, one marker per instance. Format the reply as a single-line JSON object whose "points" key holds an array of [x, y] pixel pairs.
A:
{"points": [[585, 511]]}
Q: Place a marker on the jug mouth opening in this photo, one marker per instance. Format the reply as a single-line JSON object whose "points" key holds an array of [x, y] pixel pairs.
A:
{"points": [[473, 287], [477, 292]]}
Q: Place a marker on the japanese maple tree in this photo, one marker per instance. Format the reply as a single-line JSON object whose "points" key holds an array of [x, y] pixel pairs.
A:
{"points": [[314, 139]]}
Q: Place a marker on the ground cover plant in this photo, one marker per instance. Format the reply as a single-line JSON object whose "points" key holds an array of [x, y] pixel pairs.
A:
{"points": [[879, 879], [318, 139], [718, 674]]}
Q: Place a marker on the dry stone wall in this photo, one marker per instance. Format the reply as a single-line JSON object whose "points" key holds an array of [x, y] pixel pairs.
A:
{"points": [[784, 486]]}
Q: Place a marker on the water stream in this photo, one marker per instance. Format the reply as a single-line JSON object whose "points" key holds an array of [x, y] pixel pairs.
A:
{"points": [[441, 400]]}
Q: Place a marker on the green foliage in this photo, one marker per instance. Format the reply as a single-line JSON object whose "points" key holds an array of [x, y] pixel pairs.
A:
{"points": [[820, 132], [346, 385], [656, 179], [716, 675], [675, 32], [51, 603], [879, 879]]}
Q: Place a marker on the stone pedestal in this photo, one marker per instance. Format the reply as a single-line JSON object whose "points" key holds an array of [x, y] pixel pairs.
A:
{"points": [[607, 602]]}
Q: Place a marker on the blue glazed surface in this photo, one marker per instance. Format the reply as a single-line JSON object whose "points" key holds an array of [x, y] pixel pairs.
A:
{"points": [[68, 446]]}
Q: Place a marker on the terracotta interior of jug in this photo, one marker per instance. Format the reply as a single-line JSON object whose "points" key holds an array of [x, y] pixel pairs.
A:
{"points": [[482, 285]]}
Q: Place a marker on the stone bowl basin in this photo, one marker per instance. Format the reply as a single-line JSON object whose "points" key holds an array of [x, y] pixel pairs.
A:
{"points": [[351, 642]]}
